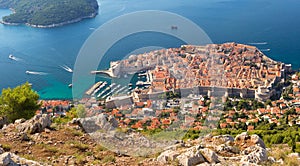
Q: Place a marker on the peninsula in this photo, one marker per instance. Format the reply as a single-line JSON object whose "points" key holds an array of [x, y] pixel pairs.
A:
{"points": [[235, 69], [48, 13]]}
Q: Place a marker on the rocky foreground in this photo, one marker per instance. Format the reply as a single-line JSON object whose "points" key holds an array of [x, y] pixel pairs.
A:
{"points": [[219, 150], [38, 141]]}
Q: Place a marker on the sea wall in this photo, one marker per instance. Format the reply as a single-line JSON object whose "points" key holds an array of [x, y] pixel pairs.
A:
{"points": [[204, 91]]}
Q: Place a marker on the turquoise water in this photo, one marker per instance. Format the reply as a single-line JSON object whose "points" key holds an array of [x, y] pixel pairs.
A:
{"points": [[245, 21]]}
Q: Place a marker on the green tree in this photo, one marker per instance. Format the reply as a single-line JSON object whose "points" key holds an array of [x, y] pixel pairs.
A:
{"points": [[20, 102], [81, 113]]}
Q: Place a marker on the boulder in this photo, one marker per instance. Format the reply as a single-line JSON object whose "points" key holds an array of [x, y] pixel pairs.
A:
{"points": [[222, 139], [11, 159], [167, 156], [271, 160], [5, 159], [191, 157], [36, 124], [294, 155], [1, 149], [95, 123], [209, 155], [227, 149], [258, 141], [244, 140], [19, 121], [254, 154]]}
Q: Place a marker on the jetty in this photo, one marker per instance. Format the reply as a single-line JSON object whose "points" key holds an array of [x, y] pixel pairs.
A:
{"points": [[107, 72], [93, 88]]}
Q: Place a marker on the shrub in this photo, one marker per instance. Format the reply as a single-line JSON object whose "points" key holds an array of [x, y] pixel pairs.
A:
{"points": [[20, 102]]}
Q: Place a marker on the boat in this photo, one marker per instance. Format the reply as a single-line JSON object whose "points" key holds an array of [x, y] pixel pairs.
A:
{"points": [[70, 85], [68, 69], [258, 43], [266, 50], [121, 89], [116, 88], [174, 27], [35, 73], [10, 56], [104, 91]]}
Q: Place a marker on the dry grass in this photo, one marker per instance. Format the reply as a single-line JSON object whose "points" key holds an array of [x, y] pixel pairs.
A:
{"points": [[281, 152]]}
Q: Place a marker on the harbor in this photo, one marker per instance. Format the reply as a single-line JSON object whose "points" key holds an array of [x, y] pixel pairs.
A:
{"points": [[104, 89]]}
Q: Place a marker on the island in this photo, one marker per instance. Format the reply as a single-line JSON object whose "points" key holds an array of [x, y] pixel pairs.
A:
{"points": [[48, 13]]}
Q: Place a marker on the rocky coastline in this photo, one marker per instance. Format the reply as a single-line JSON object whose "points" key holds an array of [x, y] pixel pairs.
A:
{"points": [[52, 25]]}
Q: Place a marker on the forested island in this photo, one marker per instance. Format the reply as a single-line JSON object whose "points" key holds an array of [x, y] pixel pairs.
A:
{"points": [[48, 13]]}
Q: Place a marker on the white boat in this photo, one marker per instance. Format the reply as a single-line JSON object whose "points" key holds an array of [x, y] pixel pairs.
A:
{"points": [[70, 85], [10, 56], [258, 43], [35, 73]]}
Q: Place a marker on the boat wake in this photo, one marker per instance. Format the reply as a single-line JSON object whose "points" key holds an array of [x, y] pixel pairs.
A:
{"points": [[266, 50], [68, 69], [259, 43], [35, 73]]}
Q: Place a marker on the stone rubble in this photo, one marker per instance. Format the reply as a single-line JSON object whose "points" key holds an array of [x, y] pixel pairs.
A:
{"points": [[244, 149]]}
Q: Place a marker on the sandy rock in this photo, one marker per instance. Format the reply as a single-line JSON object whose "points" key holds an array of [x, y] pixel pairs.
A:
{"points": [[244, 140], [254, 154], [1, 149], [271, 159], [11, 159], [227, 149], [222, 139], [294, 155], [5, 159], [19, 121], [167, 156], [280, 162], [209, 155], [24, 137], [257, 140], [95, 123], [191, 157], [36, 124]]}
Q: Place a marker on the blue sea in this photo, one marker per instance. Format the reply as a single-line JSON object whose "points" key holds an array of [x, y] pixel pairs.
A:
{"points": [[272, 23]]}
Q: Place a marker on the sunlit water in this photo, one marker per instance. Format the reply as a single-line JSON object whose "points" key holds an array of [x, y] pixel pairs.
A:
{"points": [[272, 26]]}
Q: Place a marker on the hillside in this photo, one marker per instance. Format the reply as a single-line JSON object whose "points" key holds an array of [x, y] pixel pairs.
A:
{"points": [[41, 142], [48, 13]]}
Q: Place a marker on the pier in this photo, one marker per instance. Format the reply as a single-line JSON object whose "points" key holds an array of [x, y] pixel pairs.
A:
{"points": [[93, 88], [107, 72]]}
